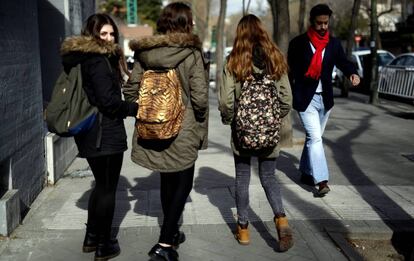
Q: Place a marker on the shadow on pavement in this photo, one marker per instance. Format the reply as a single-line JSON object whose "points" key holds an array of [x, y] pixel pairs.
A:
{"points": [[342, 149], [403, 242], [141, 192], [375, 197], [208, 179], [121, 210]]}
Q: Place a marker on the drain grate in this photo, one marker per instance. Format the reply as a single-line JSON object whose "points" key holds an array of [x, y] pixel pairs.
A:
{"points": [[409, 156]]}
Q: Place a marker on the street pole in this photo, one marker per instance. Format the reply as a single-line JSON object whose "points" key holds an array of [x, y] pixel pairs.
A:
{"points": [[373, 99]]}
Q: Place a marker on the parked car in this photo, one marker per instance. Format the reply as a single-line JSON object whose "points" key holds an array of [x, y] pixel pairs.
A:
{"points": [[362, 60], [405, 60], [397, 78]]}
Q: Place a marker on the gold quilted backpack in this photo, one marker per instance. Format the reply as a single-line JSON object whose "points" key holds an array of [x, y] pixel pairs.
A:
{"points": [[160, 105]]}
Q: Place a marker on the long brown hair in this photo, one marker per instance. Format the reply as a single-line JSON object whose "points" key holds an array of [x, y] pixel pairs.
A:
{"points": [[175, 18], [251, 33]]}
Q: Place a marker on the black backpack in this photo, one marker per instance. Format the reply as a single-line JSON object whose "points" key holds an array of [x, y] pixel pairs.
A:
{"points": [[257, 120], [69, 112]]}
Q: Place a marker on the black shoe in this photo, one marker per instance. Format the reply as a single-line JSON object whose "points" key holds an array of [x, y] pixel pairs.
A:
{"points": [[107, 249], [91, 240], [323, 188], [307, 179], [178, 238], [160, 253]]}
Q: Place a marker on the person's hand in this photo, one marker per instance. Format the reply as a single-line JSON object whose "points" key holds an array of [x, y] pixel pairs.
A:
{"points": [[355, 80]]}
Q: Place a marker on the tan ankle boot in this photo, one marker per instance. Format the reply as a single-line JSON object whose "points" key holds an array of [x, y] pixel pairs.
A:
{"points": [[284, 233], [242, 235]]}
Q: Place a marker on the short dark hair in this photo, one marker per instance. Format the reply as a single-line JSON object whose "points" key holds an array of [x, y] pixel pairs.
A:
{"points": [[94, 24], [319, 9], [175, 18]]}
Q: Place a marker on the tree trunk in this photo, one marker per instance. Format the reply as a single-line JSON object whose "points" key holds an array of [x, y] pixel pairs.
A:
{"points": [[404, 11], [283, 25], [246, 8], [302, 11], [220, 42], [201, 14], [281, 30], [350, 42], [373, 99], [273, 8]]}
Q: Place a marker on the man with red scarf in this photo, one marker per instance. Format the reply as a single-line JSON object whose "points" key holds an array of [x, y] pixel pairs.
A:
{"points": [[312, 57]]}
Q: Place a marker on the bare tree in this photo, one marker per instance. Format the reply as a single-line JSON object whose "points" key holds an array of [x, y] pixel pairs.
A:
{"points": [[373, 99], [201, 11], [246, 9], [281, 30], [368, 11], [404, 10], [281, 24], [350, 41], [302, 11], [220, 41], [354, 20]]}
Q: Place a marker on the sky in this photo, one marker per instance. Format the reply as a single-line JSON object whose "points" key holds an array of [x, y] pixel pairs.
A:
{"points": [[234, 6]]}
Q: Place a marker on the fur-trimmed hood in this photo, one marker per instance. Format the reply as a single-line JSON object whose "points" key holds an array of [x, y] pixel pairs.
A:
{"points": [[76, 49], [164, 51], [89, 45]]}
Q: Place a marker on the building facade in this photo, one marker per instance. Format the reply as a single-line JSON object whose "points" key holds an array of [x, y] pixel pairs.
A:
{"points": [[29, 65]]}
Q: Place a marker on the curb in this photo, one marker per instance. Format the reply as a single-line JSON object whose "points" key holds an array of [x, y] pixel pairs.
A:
{"points": [[345, 247]]}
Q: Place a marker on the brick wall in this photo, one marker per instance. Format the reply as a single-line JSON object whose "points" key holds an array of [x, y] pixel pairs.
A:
{"points": [[32, 32], [21, 128], [67, 20]]}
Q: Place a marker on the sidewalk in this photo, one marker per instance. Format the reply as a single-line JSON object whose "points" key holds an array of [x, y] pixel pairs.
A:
{"points": [[368, 150]]}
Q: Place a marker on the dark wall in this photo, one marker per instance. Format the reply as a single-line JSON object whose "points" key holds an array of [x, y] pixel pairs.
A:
{"points": [[21, 130], [52, 31]]}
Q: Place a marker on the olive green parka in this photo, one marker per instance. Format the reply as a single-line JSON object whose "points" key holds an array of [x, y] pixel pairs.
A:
{"points": [[181, 51]]}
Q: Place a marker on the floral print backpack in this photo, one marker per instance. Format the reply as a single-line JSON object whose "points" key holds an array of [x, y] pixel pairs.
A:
{"points": [[257, 120]]}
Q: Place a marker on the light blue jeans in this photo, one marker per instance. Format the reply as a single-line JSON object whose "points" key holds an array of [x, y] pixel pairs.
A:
{"points": [[314, 119]]}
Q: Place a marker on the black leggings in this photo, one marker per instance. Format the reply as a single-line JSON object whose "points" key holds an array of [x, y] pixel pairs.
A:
{"points": [[101, 207], [175, 188]]}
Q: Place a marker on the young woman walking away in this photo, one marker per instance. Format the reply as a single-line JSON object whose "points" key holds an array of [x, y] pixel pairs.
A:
{"points": [[254, 53], [174, 47]]}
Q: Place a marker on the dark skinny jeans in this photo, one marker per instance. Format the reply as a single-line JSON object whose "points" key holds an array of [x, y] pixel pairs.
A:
{"points": [[267, 167], [175, 188]]}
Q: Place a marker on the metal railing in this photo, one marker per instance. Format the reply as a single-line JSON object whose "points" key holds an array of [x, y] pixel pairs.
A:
{"points": [[397, 81]]}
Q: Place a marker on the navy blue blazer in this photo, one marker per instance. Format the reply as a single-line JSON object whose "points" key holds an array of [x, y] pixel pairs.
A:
{"points": [[300, 56]]}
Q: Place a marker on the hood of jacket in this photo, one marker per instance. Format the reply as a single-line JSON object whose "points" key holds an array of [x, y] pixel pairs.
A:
{"points": [[258, 57], [75, 49], [166, 50]]}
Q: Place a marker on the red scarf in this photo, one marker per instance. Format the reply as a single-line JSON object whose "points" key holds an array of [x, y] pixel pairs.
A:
{"points": [[319, 42]]}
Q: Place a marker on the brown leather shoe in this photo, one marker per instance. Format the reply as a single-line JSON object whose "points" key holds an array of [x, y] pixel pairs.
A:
{"points": [[323, 188], [242, 235], [284, 233]]}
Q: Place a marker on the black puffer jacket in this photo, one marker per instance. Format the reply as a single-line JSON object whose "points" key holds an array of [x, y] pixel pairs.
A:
{"points": [[102, 86]]}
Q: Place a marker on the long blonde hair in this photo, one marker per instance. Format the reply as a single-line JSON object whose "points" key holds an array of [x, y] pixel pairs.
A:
{"points": [[251, 33]]}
